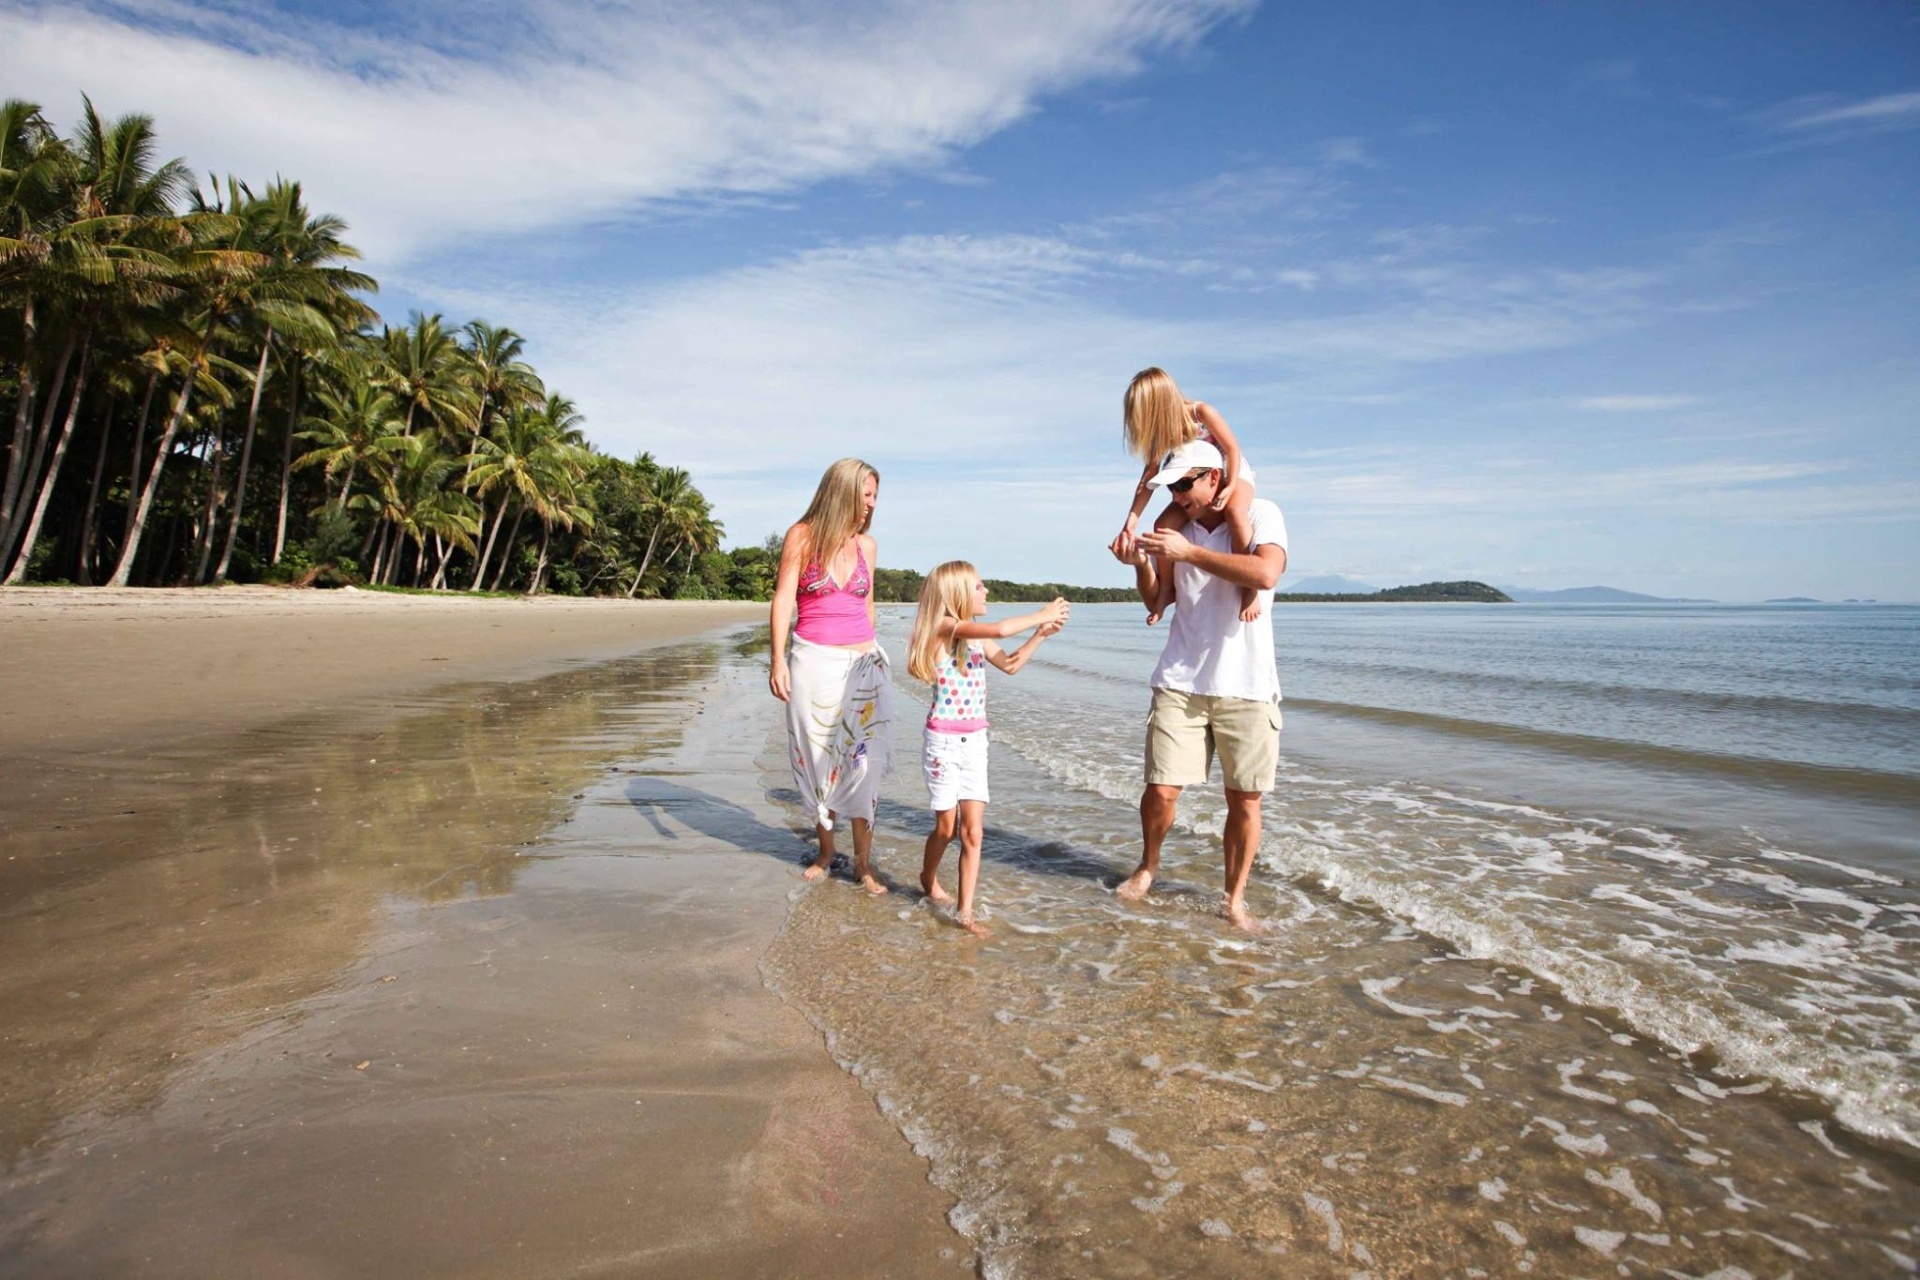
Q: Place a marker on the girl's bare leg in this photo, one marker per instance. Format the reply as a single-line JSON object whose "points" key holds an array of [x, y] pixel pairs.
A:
{"points": [[1172, 517], [1240, 526], [818, 867], [863, 857], [937, 841], [973, 817]]}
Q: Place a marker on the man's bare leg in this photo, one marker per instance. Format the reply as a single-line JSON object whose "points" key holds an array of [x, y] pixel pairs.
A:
{"points": [[973, 818], [863, 857], [818, 867], [937, 841], [1238, 843], [1158, 805]]}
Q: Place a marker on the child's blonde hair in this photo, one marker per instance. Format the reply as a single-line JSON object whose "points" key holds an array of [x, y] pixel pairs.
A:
{"points": [[1155, 420], [834, 515], [947, 593]]}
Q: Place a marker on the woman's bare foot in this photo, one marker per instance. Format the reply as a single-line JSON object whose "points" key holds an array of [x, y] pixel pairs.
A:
{"points": [[1135, 886], [973, 926], [934, 892]]}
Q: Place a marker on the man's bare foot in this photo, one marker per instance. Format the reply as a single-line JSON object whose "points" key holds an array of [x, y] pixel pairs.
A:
{"points": [[934, 891], [815, 870], [973, 926], [1135, 886], [870, 882], [1236, 913], [1251, 606]]}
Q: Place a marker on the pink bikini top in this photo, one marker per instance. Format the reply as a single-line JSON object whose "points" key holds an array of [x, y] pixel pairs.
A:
{"points": [[831, 613]]}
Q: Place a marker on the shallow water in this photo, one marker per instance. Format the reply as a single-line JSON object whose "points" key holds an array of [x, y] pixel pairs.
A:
{"points": [[1487, 1029]]}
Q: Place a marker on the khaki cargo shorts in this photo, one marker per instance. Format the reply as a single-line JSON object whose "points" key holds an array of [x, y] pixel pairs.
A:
{"points": [[1186, 730]]}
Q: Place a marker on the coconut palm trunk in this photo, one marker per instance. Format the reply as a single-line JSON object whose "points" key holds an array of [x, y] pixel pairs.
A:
{"points": [[645, 560], [17, 444], [13, 511], [203, 532], [286, 461], [486, 549], [21, 560], [246, 456], [89, 523], [540, 569], [137, 525], [506, 551]]}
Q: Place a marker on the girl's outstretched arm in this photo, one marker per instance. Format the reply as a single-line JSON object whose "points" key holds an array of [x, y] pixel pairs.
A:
{"points": [[1055, 613], [1122, 544], [1012, 662]]}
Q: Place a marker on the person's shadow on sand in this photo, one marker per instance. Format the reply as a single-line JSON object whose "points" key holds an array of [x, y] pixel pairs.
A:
{"points": [[655, 799]]}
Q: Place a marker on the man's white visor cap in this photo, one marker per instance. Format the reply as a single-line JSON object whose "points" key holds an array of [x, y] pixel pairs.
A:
{"points": [[1189, 456]]}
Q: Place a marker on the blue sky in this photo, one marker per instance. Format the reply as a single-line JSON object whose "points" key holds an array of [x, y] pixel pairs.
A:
{"points": [[1543, 294]]}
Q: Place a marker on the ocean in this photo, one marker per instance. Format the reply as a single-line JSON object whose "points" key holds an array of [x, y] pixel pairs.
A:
{"points": [[1593, 947]]}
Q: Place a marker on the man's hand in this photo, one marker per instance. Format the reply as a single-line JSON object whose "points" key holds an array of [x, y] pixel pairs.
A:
{"points": [[1170, 544]]}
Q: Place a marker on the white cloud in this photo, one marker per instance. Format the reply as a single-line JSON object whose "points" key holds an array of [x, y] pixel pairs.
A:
{"points": [[1634, 404], [1891, 110], [573, 111]]}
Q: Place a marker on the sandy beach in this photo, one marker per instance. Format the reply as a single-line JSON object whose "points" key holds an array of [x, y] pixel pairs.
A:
{"points": [[371, 934]]}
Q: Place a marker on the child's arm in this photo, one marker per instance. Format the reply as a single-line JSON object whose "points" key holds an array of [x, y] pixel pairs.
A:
{"points": [[1055, 613], [1229, 449], [1012, 662], [1142, 495]]}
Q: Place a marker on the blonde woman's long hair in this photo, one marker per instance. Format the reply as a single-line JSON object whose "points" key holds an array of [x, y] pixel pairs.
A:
{"points": [[1155, 420], [947, 593], [835, 513]]}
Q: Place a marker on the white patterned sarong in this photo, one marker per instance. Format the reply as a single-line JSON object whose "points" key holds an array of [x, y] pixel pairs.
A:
{"points": [[839, 715]]}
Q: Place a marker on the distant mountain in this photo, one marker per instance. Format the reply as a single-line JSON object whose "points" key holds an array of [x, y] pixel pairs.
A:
{"points": [[1593, 595], [1328, 584]]}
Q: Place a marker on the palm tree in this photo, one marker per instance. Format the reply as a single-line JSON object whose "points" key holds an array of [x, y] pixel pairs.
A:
{"points": [[305, 292], [34, 165], [675, 506], [353, 428], [425, 372], [107, 256]]}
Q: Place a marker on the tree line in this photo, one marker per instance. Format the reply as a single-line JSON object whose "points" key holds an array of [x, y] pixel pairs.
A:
{"points": [[201, 393]]}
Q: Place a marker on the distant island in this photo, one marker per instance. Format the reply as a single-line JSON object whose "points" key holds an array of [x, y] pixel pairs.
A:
{"points": [[1594, 595], [902, 586], [1793, 600]]}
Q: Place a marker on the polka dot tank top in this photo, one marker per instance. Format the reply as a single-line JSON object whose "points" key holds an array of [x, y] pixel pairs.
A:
{"points": [[959, 693]]}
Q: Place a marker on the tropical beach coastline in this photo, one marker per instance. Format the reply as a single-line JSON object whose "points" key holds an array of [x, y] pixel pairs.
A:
{"points": [[295, 983]]}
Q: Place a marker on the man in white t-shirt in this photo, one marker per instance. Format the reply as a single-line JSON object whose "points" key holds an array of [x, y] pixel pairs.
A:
{"points": [[1215, 689]]}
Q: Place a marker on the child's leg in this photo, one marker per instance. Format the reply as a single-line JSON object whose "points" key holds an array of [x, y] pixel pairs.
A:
{"points": [[937, 841], [863, 857], [1240, 526], [973, 819], [1170, 518]]}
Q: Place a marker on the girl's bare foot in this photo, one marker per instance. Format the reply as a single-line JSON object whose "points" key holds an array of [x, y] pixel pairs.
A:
{"points": [[973, 926], [1250, 606], [1153, 616], [1236, 913], [869, 881], [815, 870], [1135, 886], [934, 892]]}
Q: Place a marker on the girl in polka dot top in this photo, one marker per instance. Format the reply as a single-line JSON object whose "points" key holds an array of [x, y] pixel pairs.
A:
{"points": [[950, 650]]}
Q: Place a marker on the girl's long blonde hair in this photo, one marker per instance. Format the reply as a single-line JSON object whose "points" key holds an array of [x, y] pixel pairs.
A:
{"points": [[1155, 420], [947, 593], [835, 513]]}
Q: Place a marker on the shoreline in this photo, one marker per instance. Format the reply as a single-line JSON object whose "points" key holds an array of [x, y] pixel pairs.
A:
{"points": [[474, 982]]}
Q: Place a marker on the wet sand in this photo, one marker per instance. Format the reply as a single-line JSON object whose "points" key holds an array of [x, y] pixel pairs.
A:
{"points": [[425, 975]]}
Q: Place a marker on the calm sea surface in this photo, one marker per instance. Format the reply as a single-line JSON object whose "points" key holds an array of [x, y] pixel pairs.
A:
{"points": [[1595, 944]]}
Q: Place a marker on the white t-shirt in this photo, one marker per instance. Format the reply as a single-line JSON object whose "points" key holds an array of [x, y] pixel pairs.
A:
{"points": [[1209, 650]]}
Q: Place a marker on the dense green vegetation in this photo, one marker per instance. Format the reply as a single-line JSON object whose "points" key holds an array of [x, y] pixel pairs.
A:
{"points": [[199, 392]]}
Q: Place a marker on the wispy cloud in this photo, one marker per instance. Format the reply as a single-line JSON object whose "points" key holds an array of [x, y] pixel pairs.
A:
{"points": [[1888, 111], [464, 120], [1634, 404]]}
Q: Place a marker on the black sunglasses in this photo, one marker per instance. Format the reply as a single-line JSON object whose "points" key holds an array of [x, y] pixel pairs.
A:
{"points": [[1185, 483]]}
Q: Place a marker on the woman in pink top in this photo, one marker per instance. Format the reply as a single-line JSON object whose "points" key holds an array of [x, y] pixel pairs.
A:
{"points": [[834, 680]]}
